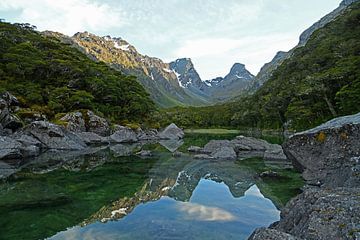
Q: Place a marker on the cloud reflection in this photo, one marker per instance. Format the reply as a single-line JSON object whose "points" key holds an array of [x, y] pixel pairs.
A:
{"points": [[198, 212]]}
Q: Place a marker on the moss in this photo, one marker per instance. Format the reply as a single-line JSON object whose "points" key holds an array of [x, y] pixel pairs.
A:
{"points": [[320, 137]]}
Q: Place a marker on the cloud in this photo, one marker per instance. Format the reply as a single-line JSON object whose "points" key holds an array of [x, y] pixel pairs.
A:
{"points": [[198, 212], [66, 16]]}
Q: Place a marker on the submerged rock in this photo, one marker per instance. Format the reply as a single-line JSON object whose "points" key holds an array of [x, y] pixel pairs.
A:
{"points": [[329, 154], [172, 132], [171, 145]]}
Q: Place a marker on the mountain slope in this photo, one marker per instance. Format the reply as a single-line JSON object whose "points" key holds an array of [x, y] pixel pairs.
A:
{"points": [[268, 69], [320, 80], [51, 77]]}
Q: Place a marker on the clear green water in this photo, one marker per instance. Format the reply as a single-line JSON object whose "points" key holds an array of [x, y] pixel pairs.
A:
{"points": [[99, 195]]}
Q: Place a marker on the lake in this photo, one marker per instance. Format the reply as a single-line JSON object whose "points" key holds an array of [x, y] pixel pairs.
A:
{"points": [[102, 194]]}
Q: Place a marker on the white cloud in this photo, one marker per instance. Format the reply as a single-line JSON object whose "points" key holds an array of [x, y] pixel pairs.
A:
{"points": [[66, 16]]}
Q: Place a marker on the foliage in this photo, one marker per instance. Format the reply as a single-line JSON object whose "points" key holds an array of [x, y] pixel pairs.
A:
{"points": [[56, 77]]}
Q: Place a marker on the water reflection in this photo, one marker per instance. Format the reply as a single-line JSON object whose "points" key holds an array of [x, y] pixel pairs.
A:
{"points": [[103, 193]]}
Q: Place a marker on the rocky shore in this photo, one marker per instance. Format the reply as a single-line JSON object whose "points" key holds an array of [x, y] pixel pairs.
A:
{"points": [[329, 207]]}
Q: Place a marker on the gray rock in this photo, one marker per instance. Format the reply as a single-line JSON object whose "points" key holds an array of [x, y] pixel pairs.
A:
{"points": [[8, 120], [144, 153], [75, 122], [270, 234], [92, 138], [123, 135], [151, 134], [224, 153], [215, 145], [274, 152], [97, 124], [9, 148], [321, 214], [326, 154], [242, 143], [54, 137], [172, 132], [6, 170], [30, 151], [195, 149]]}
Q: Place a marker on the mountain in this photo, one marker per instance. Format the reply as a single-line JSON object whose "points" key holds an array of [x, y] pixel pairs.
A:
{"points": [[317, 82], [232, 85], [267, 70], [169, 84], [49, 77]]}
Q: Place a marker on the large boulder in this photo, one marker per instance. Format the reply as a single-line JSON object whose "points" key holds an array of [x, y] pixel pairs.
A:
{"points": [[8, 105], [146, 135], [91, 138], [214, 145], [329, 154], [9, 148], [242, 143], [172, 132], [123, 135], [224, 153], [274, 152], [86, 121], [322, 214], [53, 136]]}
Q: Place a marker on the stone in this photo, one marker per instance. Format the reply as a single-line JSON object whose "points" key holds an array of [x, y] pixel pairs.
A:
{"points": [[97, 124], [151, 134], [270, 234], [8, 120], [123, 135], [195, 149], [274, 152], [224, 153], [75, 122], [9, 148], [214, 145], [325, 154], [323, 214], [144, 153], [53, 136], [91, 138], [172, 132], [242, 143]]}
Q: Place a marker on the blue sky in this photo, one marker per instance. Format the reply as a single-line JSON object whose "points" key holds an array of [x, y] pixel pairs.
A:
{"points": [[214, 33]]}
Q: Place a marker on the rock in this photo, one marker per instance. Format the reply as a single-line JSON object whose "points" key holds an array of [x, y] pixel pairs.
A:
{"points": [[97, 124], [242, 143], [327, 154], [54, 137], [9, 148], [274, 152], [270, 234], [6, 170], [151, 134], [75, 122], [172, 132], [8, 105], [30, 151], [91, 138], [203, 156], [214, 145], [26, 140], [123, 135], [195, 149], [86, 121], [171, 145], [177, 154], [224, 153], [323, 214], [144, 153]]}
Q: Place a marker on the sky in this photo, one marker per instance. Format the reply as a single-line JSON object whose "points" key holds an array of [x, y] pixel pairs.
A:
{"points": [[213, 33]]}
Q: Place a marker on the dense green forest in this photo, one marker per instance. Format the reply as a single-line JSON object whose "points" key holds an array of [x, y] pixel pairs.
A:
{"points": [[320, 81], [50, 77]]}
